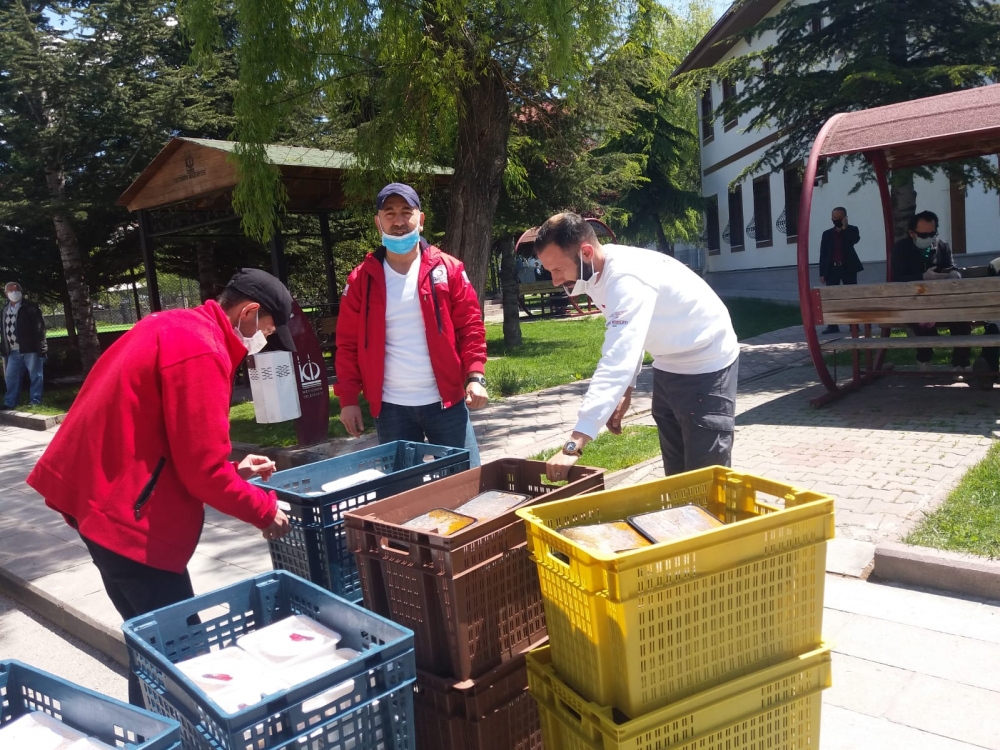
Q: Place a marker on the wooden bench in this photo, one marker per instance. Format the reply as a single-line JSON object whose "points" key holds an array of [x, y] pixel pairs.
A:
{"points": [[555, 296]]}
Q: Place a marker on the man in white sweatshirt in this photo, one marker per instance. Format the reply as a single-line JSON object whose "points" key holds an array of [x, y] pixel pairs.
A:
{"points": [[653, 303]]}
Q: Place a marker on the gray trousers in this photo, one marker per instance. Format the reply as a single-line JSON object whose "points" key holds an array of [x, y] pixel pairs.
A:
{"points": [[695, 416]]}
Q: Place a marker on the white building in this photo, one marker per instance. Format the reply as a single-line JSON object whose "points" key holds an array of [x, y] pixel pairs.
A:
{"points": [[751, 230]]}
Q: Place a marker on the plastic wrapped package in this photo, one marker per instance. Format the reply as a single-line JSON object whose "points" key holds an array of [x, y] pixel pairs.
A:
{"points": [[38, 731], [289, 642]]}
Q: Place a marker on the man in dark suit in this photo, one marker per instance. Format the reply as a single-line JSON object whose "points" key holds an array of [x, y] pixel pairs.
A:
{"points": [[838, 260]]}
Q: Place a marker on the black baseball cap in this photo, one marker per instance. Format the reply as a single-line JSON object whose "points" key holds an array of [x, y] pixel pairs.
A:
{"points": [[272, 295], [405, 192]]}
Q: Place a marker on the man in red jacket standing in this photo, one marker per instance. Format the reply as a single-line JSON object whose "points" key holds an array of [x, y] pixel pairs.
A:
{"points": [[146, 445], [410, 334]]}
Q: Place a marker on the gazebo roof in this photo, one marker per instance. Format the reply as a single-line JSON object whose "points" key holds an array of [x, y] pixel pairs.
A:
{"points": [[929, 131], [198, 171]]}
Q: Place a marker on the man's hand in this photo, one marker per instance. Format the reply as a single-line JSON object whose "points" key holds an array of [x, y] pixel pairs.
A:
{"points": [[822, 279], [615, 423], [278, 528], [256, 466], [350, 417], [557, 468], [476, 396]]}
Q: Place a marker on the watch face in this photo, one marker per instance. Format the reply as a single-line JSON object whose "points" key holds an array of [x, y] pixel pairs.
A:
{"points": [[570, 447]]}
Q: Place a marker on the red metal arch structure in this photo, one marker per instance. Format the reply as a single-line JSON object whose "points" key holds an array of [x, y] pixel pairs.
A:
{"points": [[924, 132]]}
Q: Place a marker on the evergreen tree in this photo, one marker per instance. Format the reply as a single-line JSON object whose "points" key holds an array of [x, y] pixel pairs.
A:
{"points": [[834, 56]]}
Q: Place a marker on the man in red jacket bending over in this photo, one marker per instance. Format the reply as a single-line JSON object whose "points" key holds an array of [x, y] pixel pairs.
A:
{"points": [[410, 334], [146, 445]]}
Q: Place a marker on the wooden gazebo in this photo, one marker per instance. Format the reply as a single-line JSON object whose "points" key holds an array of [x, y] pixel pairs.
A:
{"points": [[189, 187]]}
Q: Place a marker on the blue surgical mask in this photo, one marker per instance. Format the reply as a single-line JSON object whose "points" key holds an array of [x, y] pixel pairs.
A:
{"points": [[401, 245]]}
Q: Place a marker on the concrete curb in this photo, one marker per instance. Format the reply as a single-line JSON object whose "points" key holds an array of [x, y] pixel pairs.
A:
{"points": [[28, 421], [953, 572], [79, 624]]}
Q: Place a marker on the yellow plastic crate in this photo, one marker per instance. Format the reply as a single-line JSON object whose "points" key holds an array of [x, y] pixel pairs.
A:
{"points": [[642, 629], [776, 708]]}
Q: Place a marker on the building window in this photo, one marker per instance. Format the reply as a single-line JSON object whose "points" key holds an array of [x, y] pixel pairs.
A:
{"points": [[763, 232], [707, 116], [767, 66], [816, 25], [712, 225], [736, 228], [793, 194], [728, 97]]}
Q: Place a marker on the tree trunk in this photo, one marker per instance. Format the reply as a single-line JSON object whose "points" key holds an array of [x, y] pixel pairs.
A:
{"points": [[508, 288], [71, 336], [904, 202], [72, 262], [206, 271], [480, 160], [663, 244]]}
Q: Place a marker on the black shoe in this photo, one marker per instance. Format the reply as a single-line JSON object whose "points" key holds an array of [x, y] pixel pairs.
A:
{"points": [[831, 329], [984, 375]]}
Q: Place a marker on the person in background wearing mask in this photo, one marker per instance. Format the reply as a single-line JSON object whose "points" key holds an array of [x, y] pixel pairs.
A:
{"points": [[145, 446], [22, 346], [410, 335], [651, 302], [922, 255], [838, 260]]}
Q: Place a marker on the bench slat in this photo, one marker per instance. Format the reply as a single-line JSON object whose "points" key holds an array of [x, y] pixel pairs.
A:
{"points": [[926, 315], [911, 342], [909, 288], [914, 302]]}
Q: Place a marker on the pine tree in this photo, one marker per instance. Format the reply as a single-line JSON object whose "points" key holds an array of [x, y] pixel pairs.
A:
{"points": [[834, 56]]}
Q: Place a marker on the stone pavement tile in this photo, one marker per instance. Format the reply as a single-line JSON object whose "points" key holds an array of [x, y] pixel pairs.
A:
{"points": [[98, 606], [965, 713], [208, 573], [956, 616], [865, 686], [962, 660], [33, 554], [841, 729], [848, 557], [72, 583]]}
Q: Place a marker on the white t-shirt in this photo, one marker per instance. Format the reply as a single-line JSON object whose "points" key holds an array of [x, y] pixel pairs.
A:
{"points": [[409, 378], [652, 302]]}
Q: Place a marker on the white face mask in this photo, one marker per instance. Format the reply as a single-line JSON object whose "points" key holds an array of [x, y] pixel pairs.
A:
{"points": [[923, 243], [256, 342], [582, 285], [14, 297]]}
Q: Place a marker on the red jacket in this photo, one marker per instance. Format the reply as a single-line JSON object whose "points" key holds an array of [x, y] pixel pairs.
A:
{"points": [[159, 396], [456, 336]]}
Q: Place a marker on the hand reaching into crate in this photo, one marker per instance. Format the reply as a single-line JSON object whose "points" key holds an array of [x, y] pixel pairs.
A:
{"points": [[278, 528], [256, 466]]}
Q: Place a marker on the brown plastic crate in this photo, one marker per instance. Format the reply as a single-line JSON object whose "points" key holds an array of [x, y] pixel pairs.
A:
{"points": [[493, 712], [472, 598]]}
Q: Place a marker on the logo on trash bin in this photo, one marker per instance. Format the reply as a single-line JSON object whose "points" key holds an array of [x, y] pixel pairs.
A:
{"points": [[309, 374]]}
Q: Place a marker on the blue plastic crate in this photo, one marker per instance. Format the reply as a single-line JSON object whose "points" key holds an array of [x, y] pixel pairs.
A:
{"points": [[378, 715], [316, 547], [24, 689]]}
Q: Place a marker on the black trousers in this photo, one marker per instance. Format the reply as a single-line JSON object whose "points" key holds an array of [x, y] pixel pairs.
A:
{"points": [[838, 275], [695, 416], [960, 357], [136, 589]]}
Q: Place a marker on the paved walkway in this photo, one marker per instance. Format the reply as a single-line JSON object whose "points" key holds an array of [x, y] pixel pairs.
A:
{"points": [[914, 670]]}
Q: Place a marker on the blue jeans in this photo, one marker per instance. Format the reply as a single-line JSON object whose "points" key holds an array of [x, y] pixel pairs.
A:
{"points": [[16, 366], [451, 427]]}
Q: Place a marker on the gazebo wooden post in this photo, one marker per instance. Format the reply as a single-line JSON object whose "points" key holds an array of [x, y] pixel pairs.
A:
{"points": [[277, 245], [331, 271], [149, 260]]}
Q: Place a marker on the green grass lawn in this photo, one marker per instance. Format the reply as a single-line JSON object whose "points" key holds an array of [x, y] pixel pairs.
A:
{"points": [[54, 401], [752, 317], [56, 333], [969, 520], [613, 452]]}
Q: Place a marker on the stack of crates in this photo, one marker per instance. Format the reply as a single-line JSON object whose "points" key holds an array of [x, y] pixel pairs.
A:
{"points": [[709, 641], [316, 546], [376, 713], [472, 599], [24, 690]]}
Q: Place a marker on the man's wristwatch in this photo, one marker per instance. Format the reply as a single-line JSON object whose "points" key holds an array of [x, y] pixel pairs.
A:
{"points": [[572, 449], [476, 378]]}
